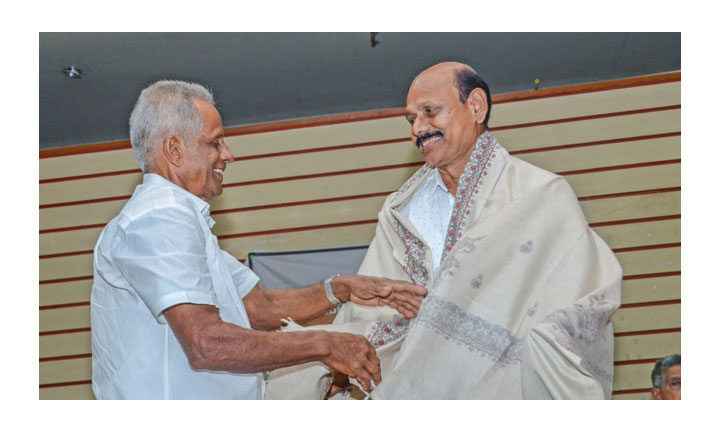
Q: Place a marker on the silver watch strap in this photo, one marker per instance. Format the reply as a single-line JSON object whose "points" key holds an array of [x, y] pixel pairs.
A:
{"points": [[329, 290]]}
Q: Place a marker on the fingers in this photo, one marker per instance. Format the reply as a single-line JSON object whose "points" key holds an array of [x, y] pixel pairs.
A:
{"points": [[402, 286], [354, 356]]}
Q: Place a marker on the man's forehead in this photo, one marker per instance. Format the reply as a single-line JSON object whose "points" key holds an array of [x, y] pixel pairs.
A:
{"points": [[428, 97], [672, 371]]}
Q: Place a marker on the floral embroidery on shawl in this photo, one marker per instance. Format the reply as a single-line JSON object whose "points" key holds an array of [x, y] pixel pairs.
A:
{"points": [[581, 329], [478, 334], [589, 318], [415, 250], [385, 332], [475, 170]]}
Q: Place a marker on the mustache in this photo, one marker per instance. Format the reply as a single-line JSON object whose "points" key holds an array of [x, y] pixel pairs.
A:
{"points": [[427, 136]]}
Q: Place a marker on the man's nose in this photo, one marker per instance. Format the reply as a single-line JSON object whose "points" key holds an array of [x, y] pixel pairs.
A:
{"points": [[226, 154], [419, 126]]}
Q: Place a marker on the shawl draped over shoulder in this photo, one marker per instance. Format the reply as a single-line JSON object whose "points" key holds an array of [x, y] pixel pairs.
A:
{"points": [[518, 309]]}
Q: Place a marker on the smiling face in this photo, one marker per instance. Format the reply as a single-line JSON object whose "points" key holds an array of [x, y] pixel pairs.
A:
{"points": [[205, 157], [444, 128]]}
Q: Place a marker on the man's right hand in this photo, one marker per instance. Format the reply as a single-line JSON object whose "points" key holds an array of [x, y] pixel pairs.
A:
{"points": [[353, 356]]}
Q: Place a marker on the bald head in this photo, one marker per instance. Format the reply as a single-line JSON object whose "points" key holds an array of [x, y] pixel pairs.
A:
{"points": [[461, 76]]}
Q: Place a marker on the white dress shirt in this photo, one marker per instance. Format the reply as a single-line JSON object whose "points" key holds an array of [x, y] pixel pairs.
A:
{"points": [[157, 253], [429, 211]]}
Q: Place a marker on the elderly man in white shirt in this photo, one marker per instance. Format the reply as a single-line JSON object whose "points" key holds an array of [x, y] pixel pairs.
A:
{"points": [[173, 316]]}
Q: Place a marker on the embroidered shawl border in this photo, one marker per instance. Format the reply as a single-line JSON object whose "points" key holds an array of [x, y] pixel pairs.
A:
{"points": [[476, 333]]}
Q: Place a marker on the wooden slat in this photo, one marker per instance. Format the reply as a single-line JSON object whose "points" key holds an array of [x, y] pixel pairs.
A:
{"points": [[70, 392], [313, 188], [650, 261], [320, 136], [646, 318], [68, 241], [66, 344], [65, 371], [600, 129], [586, 104], [631, 207], [89, 189], [623, 181], [88, 163], [314, 239], [79, 215], [65, 292], [651, 289], [613, 154], [298, 216], [66, 267], [69, 318], [640, 234], [648, 346], [632, 376]]}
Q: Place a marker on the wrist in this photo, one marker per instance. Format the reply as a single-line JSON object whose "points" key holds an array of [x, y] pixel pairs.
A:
{"points": [[333, 290]]}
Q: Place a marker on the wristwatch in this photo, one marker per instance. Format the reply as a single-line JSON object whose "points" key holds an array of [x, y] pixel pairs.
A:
{"points": [[329, 290]]}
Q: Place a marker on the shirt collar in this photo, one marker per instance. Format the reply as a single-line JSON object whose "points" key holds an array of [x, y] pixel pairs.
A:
{"points": [[200, 204], [438, 181]]}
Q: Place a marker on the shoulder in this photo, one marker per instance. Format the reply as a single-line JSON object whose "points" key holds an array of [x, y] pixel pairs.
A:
{"points": [[158, 200]]}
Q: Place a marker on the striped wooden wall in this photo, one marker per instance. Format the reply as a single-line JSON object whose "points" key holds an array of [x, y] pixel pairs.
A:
{"points": [[320, 183]]}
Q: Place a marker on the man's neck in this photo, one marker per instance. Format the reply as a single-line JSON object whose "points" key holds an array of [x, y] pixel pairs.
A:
{"points": [[451, 173]]}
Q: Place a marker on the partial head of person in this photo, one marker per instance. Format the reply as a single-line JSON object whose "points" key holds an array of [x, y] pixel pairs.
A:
{"points": [[448, 108], [177, 133], [666, 378]]}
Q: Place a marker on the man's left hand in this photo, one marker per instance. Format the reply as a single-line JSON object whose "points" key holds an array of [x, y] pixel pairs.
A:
{"points": [[374, 291]]}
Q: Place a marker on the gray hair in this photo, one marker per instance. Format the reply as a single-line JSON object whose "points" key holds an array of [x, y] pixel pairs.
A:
{"points": [[165, 108], [658, 372]]}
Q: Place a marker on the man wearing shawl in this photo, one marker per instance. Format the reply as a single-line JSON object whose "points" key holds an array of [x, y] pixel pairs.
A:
{"points": [[520, 289]]}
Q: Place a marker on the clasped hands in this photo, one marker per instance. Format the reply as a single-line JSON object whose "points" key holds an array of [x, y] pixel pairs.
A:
{"points": [[355, 356]]}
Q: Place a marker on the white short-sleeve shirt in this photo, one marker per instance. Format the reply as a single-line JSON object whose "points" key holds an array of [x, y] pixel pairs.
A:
{"points": [[157, 253]]}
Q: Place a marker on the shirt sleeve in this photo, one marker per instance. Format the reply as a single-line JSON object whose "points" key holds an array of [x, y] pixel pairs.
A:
{"points": [[162, 255], [243, 278]]}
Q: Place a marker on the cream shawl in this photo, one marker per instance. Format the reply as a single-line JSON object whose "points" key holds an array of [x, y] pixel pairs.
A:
{"points": [[519, 307]]}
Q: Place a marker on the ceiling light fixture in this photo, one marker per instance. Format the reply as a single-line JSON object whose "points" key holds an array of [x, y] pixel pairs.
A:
{"points": [[73, 72]]}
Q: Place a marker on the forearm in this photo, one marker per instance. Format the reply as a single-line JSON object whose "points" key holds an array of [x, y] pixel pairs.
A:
{"points": [[239, 350], [300, 304], [213, 344]]}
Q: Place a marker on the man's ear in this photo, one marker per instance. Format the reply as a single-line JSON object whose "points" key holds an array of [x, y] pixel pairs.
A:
{"points": [[173, 150], [656, 394], [478, 104]]}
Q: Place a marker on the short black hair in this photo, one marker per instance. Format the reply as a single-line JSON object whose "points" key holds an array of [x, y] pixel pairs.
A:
{"points": [[658, 372], [467, 80]]}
